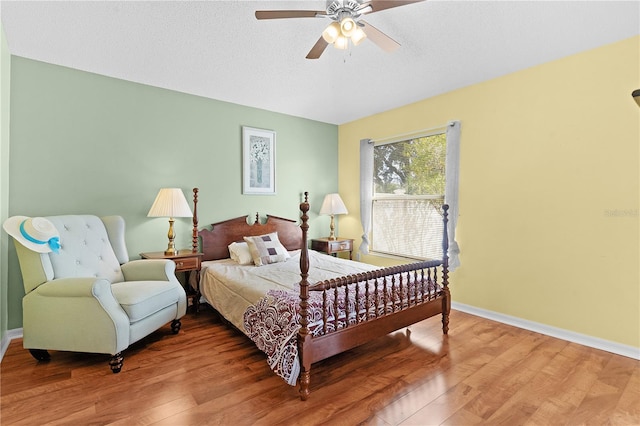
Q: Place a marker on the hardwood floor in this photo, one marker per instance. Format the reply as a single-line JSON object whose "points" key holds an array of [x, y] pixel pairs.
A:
{"points": [[482, 373]]}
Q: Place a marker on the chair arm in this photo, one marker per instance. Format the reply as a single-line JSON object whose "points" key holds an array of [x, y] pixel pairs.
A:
{"points": [[75, 314], [149, 270], [76, 287]]}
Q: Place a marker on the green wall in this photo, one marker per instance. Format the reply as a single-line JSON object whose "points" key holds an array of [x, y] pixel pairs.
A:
{"points": [[85, 143], [5, 81]]}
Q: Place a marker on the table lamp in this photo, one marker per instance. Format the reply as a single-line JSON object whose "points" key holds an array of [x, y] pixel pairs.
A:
{"points": [[333, 205], [170, 203]]}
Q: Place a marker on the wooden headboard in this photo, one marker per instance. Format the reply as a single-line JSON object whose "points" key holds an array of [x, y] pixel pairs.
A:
{"points": [[215, 241]]}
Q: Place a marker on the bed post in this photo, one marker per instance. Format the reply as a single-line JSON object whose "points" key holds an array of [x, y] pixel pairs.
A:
{"points": [[303, 333], [446, 300], [194, 240]]}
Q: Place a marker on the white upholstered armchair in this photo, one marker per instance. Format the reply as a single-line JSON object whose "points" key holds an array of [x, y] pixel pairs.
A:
{"points": [[89, 297]]}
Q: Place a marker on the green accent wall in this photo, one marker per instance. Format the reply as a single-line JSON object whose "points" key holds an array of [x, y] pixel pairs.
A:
{"points": [[82, 143], [5, 82]]}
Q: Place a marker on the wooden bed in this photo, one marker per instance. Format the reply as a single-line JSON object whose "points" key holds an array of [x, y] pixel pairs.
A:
{"points": [[381, 301]]}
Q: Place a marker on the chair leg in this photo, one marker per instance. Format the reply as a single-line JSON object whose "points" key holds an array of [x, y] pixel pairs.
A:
{"points": [[116, 362], [40, 354], [175, 326]]}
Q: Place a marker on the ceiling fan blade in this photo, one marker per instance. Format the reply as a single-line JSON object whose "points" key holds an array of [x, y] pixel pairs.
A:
{"points": [[317, 49], [383, 41], [378, 5], [280, 14]]}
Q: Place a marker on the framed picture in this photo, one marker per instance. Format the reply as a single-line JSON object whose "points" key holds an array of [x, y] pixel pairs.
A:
{"points": [[258, 161]]}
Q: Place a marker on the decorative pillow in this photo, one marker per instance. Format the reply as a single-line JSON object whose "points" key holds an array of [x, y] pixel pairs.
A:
{"points": [[240, 253], [266, 249]]}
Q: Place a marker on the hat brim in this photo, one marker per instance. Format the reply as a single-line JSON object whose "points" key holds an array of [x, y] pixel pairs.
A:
{"points": [[12, 226]]}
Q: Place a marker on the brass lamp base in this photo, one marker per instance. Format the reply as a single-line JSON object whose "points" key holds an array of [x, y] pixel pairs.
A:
{"points": [[332, 226], [171, 248]]}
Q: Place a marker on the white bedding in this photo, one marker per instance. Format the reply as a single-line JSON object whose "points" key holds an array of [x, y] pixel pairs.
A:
{"points": [[231, 288]]}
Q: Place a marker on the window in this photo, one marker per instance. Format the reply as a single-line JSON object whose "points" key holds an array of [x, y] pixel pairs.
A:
{"points": [[403, 185], [409, 188]]}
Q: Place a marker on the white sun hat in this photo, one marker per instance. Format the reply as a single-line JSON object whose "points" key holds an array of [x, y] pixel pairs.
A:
{"points": [[37, 234]]}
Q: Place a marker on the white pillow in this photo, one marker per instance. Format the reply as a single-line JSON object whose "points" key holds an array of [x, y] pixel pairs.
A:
{"points": [[240, 253], [267, 249]]}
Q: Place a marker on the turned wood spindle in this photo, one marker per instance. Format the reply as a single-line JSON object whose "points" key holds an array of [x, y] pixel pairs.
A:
{"points": [[194, 239]]}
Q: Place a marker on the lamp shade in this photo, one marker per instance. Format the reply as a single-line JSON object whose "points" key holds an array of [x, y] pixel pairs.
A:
{"points": [[341, 42], [347, 27], [330, 34], [170, 202], [357, 36], [333, 204]]}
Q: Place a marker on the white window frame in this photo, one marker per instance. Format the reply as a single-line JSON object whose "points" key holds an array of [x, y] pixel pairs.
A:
{"points": [[402, 197], [452, 173]]}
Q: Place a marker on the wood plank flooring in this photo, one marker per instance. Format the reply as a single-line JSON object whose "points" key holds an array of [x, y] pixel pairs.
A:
{"points": [[482, 373]]}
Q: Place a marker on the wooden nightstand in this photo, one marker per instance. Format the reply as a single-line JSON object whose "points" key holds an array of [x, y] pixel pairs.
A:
{"points": [[332, 246], [186, 261]]}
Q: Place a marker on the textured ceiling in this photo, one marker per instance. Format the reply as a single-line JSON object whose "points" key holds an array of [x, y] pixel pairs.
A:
{"points": [[218, 49]]}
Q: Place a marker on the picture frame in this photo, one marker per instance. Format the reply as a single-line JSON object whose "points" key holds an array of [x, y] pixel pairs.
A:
{"points": [[258, 161]]}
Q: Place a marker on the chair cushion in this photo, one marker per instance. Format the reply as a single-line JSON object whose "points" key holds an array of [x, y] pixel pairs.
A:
{"points": [[139, 299]]}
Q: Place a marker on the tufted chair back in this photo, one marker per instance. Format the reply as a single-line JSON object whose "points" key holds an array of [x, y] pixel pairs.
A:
{"points": [[90, 247], [86, 249]]}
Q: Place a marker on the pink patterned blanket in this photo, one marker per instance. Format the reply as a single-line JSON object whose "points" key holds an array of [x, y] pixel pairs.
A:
{"points": [[273, 322]]}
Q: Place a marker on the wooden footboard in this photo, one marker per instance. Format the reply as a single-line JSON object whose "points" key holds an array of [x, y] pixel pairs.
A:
{"points": [[342, 313], [361, 307]]}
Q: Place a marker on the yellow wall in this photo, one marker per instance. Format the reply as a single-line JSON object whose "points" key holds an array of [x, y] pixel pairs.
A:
{"points": [[549, 189]]}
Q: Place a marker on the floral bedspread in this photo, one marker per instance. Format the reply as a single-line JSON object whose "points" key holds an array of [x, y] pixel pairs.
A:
{"points": [[273, 325], [273, 322]]}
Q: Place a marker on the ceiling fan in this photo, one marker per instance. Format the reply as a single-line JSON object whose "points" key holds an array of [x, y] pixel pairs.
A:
{"points": [[346, 24]]}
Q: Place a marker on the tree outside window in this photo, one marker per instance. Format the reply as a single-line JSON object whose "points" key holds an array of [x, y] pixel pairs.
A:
{"points": [[409, 183]]}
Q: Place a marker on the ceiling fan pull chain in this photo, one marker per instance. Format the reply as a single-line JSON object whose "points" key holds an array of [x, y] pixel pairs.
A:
{"points": [[347, 55]]}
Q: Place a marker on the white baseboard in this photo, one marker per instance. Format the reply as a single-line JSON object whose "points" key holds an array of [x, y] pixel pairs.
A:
{"points": [[571, 336], [16, 333]]}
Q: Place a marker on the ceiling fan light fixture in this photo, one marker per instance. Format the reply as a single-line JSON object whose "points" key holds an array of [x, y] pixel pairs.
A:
{"points": [[331, 33], [341, 42], [347, 27], [357, 36]]}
